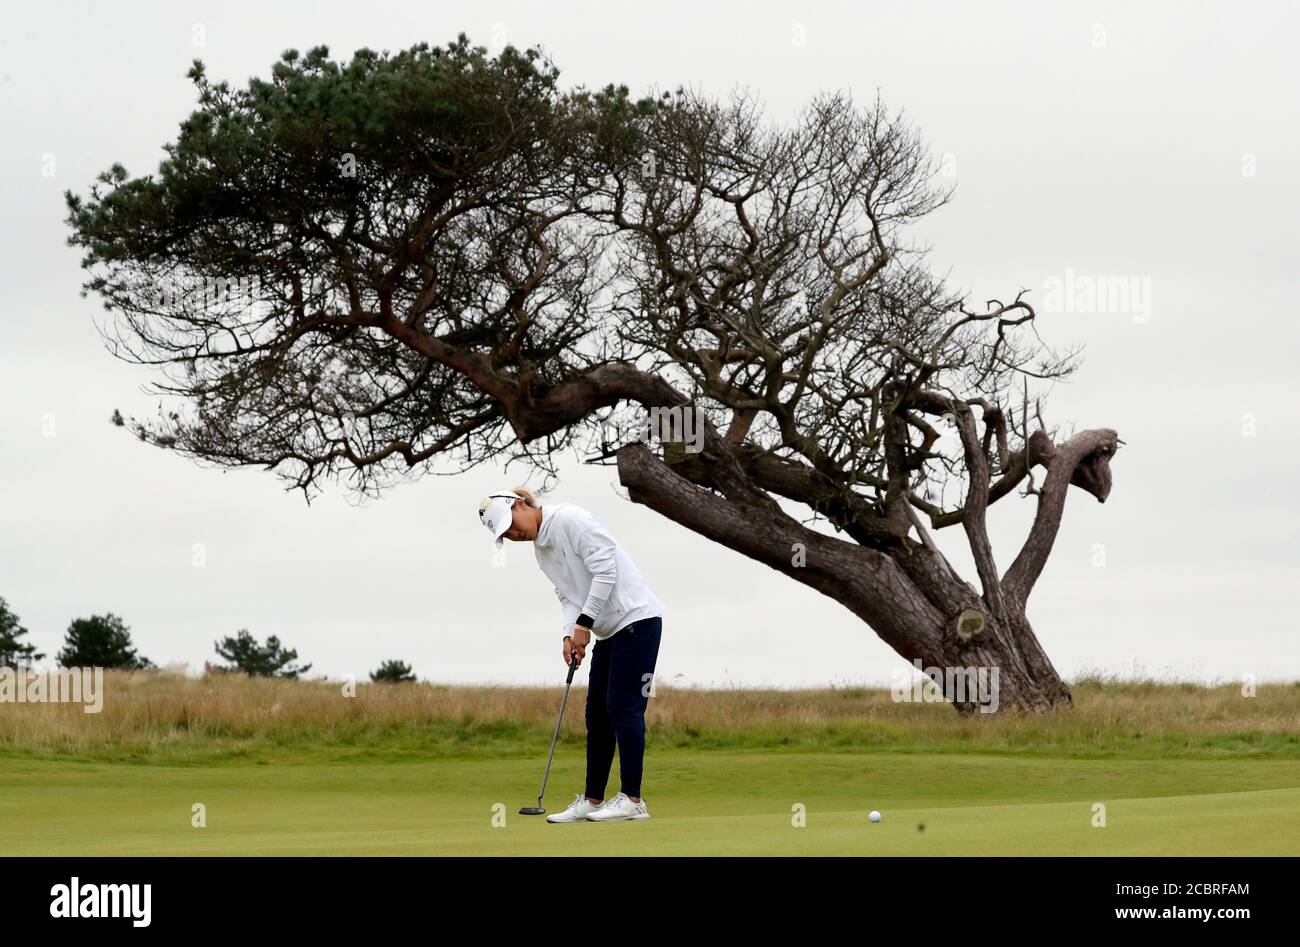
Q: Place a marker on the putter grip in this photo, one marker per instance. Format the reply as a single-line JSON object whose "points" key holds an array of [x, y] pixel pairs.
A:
{"points": [[573, 666]]}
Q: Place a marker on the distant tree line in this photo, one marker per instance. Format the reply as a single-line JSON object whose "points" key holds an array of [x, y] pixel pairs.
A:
{"points": [[105, 641]]}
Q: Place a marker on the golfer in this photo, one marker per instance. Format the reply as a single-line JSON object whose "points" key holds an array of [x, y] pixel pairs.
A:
{"points": [[604, 596]]}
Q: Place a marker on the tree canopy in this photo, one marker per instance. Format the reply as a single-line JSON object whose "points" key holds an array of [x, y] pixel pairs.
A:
{"points": [[14, 652], [362, 268], [393, 672], [247, 656], [101, 641]]}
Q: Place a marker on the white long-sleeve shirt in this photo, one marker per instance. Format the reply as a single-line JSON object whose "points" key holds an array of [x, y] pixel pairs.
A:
{"points": [[591, 573]]}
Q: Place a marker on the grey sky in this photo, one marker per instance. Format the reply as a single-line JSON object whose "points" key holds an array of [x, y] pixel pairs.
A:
{"points": [[1157, 143]]}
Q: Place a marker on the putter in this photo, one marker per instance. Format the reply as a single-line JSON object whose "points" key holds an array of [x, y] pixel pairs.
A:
{"points": [[537, 809]]}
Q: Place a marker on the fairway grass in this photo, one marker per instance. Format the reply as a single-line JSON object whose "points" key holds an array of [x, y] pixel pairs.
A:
{"points": [[297, 768], [701, 803]]}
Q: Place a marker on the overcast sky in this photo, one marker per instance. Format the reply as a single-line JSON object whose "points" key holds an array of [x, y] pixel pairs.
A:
{"points": [[1156, 143]]}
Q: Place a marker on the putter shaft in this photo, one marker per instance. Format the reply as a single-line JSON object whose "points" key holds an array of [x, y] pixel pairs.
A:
{"points": [[573, 666]]}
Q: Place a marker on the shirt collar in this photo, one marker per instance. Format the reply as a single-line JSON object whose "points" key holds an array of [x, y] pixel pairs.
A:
{"points": [[543, 531]]}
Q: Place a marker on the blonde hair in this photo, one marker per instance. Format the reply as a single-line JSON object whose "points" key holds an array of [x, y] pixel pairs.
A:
{"points": [[527, 496]]}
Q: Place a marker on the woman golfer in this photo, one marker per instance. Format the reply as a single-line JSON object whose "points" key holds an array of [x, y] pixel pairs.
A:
{"points": [[604, 596]]}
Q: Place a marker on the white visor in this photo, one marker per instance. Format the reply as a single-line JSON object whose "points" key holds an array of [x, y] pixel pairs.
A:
{"points": [[495, 514]]}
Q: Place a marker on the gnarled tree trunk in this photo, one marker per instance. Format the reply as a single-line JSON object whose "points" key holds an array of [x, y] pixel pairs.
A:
{"points": [[902, 587]]}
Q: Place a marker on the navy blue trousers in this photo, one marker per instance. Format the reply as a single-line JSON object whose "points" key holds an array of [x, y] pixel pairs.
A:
{"points": [[618, 690]]}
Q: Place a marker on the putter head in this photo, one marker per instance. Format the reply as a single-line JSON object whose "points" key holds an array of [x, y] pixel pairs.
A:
{"points": [[532, 810]]}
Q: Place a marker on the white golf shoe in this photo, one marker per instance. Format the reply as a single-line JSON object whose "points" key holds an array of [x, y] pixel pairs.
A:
{"points": [[577, 811], [618, 809]]}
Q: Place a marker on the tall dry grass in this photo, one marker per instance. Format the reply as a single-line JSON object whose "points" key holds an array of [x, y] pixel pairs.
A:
{"points": [[166, 716]]}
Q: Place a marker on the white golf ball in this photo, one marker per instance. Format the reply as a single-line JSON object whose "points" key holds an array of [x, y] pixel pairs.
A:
{"points": [[874, 816]]}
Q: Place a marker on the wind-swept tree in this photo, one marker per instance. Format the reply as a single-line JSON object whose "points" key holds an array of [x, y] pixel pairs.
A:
{"points": [[393, 672], [101, 641], [14, 653], [452, 258], [246, 655]]}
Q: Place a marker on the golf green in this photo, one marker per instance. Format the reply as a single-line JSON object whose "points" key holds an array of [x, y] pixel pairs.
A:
{"points": [[753, 802]]}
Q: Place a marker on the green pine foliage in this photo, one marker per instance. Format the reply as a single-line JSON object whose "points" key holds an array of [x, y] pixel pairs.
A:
{"points": [[257, 660], [100, 641], [393, 672], [13, 652]]}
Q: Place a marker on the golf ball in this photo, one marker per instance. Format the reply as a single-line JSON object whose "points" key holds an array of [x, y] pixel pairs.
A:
{"points": [[874, 816]]}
